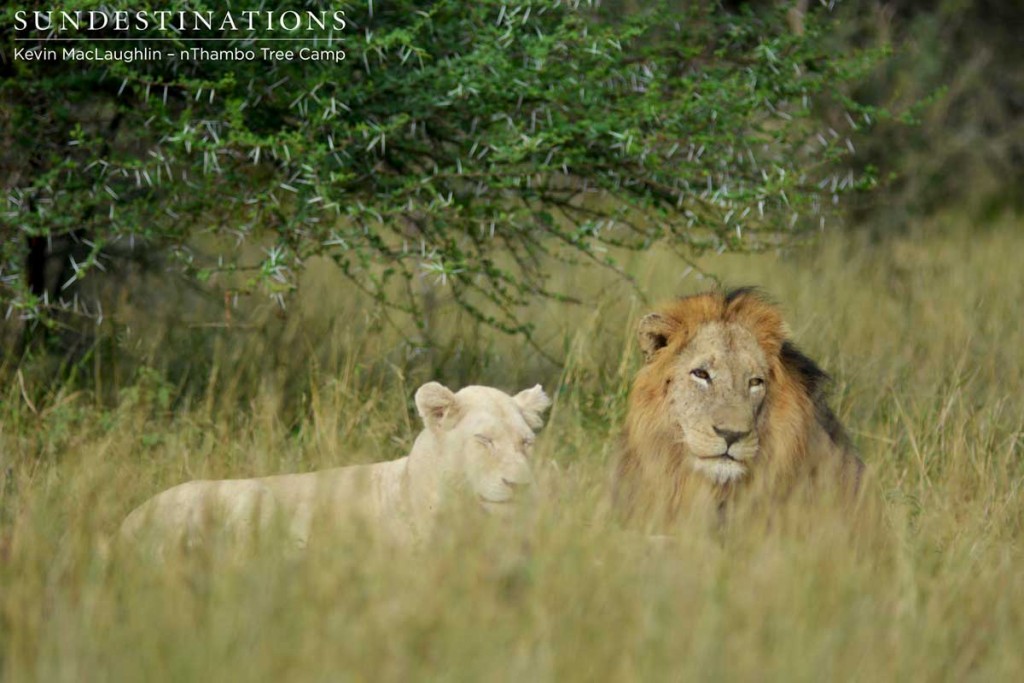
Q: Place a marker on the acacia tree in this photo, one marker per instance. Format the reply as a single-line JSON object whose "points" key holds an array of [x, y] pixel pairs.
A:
{"points": [[465, 142]]}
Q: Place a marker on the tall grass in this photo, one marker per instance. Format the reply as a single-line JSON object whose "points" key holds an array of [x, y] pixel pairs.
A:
{"points": [[923, 335]]}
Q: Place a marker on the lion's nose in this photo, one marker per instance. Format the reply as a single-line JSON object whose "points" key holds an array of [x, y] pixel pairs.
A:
{"points": [[730, 436]]}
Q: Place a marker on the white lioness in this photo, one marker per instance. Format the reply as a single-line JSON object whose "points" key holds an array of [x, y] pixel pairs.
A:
{"points": [[476, 442]]}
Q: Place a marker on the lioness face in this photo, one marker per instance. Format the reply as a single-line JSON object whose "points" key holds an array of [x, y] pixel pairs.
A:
{"points": [[497, 461], [717, 387], [488, 437]]}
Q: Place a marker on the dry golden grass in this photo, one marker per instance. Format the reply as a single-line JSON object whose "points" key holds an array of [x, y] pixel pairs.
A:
{"points": [[924, 337]]}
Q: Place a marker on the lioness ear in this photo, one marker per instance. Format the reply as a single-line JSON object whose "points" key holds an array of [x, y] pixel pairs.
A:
{"points": [[653, 334], [533, 402], [434, 401]]}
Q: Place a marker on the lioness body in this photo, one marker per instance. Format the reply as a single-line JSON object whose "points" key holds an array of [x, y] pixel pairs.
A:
{"points": [[241, 508], [475, 442], [724, 404]]}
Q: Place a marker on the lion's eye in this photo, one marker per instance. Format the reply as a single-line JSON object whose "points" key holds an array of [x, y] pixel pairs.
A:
{"points": [[484, 440], [527, 443], [756, 382], [701, 374]]}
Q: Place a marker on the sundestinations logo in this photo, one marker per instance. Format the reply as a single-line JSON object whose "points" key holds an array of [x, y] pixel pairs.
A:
{"points": [[185, 35], [181, 21]]}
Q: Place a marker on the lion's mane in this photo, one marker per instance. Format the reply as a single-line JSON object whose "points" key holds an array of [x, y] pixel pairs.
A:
{"points": [[800, 437]]}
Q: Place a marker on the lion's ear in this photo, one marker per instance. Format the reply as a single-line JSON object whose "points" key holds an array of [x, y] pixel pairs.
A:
{"points": [[653, 334], [533, 402], [435, 402]]}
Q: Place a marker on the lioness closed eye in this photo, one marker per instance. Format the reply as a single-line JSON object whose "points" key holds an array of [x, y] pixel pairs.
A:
{"points": [[725, 402], [475, 443]]}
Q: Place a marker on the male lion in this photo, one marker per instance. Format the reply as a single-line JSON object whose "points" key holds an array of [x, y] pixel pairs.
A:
{"points": [[476, 443], [725, 403]]}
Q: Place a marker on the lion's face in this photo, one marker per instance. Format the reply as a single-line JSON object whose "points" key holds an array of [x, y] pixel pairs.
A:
{"points": [[725, 406], [716, 388], [486, 437]]}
